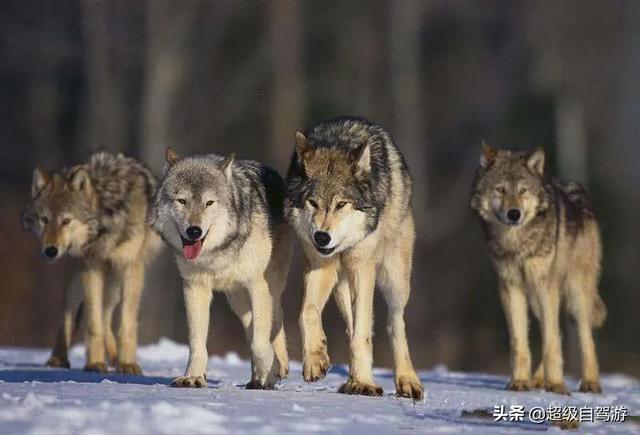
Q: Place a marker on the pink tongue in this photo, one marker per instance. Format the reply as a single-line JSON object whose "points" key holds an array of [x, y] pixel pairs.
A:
{"points": [[192, 251]]}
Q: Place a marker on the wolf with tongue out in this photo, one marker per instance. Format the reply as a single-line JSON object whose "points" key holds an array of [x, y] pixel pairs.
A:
{"points": [[224, 219]]}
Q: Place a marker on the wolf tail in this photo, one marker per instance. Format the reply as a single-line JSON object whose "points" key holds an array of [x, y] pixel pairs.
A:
{"points": [[599, 313]]}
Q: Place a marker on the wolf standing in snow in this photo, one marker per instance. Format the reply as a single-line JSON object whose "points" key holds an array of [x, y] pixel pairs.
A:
{"points": [[96, 212], [545, 245], [224, 219], [348, 199]]}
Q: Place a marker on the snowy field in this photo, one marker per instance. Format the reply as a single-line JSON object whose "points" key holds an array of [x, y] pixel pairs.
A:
{"points": [[54, 401]]}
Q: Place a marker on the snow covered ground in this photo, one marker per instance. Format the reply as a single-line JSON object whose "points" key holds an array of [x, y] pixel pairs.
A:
{"points": [[54, 401]]}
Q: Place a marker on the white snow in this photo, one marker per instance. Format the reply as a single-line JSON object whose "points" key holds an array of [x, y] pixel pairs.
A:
{"points": [[38, 400]]}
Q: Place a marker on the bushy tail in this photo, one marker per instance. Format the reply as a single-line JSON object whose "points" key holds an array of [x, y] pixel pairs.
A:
{"points": [[599, 313]]}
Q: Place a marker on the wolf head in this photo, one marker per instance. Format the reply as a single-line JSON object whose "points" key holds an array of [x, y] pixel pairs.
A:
{"points": [[62, 212], [510, 188], [193, 207], [332, 208]]}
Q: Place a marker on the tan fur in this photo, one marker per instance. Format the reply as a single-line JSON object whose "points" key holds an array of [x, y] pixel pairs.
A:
{"points": [[361, 260], [542, 264], [109, 266]]}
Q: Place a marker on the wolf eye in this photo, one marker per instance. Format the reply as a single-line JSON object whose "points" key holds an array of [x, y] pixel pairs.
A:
{"points": [[66, 221], [340, 205], [313, 203], [208, 203], [181, 201], [523, 190], [500, 190], [44, 220]]}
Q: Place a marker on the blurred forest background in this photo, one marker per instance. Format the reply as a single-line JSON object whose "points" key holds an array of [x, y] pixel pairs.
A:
{"points": [[242, 76]]}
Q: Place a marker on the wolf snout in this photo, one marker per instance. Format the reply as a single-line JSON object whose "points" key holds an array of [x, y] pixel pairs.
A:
{"points": [[322, 238], [50, 252], [194, 232], [514, 216]]}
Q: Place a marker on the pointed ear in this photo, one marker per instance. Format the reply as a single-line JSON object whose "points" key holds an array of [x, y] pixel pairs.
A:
{"points": [[81, 182], [172, 156], [303, 148], [225, 165], [361, 160], [488, 155], [535, 162], [38, 181]]}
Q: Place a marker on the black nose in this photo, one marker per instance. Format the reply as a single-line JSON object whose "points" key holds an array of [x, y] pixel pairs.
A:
{"points": [[51, 251], [194, 232], [514, 215], [322, 238]]}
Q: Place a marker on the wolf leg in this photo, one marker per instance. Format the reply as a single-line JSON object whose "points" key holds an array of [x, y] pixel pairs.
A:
{"points": [[279, 338], [92, 277], [548, 294], [362, 280], [514, 302], [394, 279], [60, 353], [132, 282], [112, 297], [241, 305], [319, 282], [266, 366], [342, 296], [537, 381], [582, 305], [198, 293]]}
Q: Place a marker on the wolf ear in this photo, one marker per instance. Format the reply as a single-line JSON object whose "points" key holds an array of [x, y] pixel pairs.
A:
{"points": [[38, 181], [225, 165], [81, 182], [535, 162], [361, 160], [488, 155], [303, 148], [171, 156]]}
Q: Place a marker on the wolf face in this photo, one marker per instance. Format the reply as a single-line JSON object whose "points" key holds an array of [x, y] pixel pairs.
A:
{"points": [[509, 187], [62, 212], [333, 216], [193, 207]]}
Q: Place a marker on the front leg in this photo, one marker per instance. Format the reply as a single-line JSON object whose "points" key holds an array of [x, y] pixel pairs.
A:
{"points": [[265, 365], [319, 280], [198, 293], [92, 278], [131, 282], [514, 302], [362, 281], [72, 299]]}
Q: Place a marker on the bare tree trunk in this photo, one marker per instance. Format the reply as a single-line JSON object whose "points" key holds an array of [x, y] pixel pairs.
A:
{"points": [[287, 106], [105, 119], [406, 86]]}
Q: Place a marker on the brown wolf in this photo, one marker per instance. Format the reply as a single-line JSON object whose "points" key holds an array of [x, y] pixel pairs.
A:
{"points": [[96, 213], [348, 199], [545, 245]]}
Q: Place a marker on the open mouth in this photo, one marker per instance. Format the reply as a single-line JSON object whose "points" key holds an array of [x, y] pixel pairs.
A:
{"points": [[325, 251], [192, 248]]}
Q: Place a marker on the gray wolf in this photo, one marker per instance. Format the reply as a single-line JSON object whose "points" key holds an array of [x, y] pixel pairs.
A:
{"points": [[348, 199], [544, 242], [223, 218], [96, 213]]}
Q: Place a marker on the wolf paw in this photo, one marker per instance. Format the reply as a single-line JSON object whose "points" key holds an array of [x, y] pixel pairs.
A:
{"points": [[557, 387], [537, 382], [190, 382], [129, 369], [409, 386], [360, 388], [519, 385], [56, 361], [98, 367], [315, 366], [283, 373], [256, 384], [590, 386]]}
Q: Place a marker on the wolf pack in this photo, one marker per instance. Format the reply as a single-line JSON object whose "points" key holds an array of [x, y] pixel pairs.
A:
{"points": [[346, 199]]}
